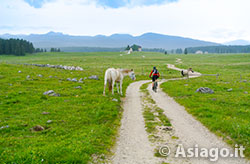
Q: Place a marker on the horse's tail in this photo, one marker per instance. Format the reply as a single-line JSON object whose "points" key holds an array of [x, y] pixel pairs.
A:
{"points": [[182, 73]]}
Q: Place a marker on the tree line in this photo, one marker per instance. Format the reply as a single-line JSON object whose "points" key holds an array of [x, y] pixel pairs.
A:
{"points": [[17, 47], [220, 49]]}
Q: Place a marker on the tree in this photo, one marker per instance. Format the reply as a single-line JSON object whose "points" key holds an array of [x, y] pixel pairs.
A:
{"points": [[128, 48], [166, 52], [15, 47], [185, 51], [135, 47], [178, 51]]}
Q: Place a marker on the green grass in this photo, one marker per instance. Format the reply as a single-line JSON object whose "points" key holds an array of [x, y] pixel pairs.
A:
{"points": [[84, 122], [152, 113], [225, 113]]}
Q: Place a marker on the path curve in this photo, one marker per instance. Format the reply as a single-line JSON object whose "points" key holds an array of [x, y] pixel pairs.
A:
{"points": [[133, 145]]}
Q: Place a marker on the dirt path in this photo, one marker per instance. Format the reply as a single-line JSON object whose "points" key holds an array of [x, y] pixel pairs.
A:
{"points": [[133, 145]]}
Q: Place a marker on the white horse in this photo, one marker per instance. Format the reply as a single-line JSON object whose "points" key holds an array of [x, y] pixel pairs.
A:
{"points": [[186, 72], [116, 75]]}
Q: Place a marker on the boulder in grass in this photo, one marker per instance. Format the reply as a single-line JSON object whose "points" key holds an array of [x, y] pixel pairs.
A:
{"points": [[74, 80], [80, 80], [205, 90], [55, 94], [114, 100], [19, 71], [94, 77], [45, 113], [48, 92], [78, 87], [3, 127], [37, 128], [229, 90], [51, 93]]}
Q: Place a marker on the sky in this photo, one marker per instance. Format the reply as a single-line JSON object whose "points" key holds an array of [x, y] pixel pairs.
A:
{"points": [[211, 20]]}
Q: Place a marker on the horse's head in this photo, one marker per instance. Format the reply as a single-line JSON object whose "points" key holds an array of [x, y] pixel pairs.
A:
{"points": [[132, 74], [191, 70]]}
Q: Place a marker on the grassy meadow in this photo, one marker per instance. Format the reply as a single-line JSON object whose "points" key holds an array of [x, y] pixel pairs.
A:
{"points": [[226, 113], [84, 123]]}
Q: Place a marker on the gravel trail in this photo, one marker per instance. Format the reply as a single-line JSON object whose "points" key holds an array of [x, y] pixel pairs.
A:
{"points": [[133, 146]]}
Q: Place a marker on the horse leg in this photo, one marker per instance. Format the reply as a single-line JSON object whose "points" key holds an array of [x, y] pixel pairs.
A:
{"points": [[105, 83], [117, 88], [113, 84], [121, 87]]}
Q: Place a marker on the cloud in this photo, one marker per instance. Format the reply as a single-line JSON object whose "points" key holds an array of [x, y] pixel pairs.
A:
{"points": [[107, 3], [37, 3], [210, 20]]}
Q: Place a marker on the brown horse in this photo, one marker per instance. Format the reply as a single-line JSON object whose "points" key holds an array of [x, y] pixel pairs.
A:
{"points": [[186, 72]]}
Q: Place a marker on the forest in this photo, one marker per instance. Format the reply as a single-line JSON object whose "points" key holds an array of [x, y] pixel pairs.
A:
{"points": [[18, 47]]}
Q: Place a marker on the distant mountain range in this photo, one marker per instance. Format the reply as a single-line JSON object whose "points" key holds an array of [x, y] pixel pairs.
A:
{"points": [[238, 42], [147, 40]]}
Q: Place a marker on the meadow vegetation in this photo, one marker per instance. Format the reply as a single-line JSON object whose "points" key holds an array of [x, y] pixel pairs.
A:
{"points": [[81, 124], [227, 111], [84, 122]]}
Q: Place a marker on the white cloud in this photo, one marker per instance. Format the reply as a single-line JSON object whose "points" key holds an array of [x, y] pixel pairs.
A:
{"points": [[214, 20]]}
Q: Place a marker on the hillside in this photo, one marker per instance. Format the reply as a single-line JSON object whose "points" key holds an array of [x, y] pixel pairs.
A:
{"points": [[238, 42], [147, 40]]}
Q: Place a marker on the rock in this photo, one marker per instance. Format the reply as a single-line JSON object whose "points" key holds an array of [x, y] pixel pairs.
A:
{"points": [[115, 100], [40, 75], [4, 127], [50, 76], [45, 113], [49, 121], [156, 114], [19, 71], [37, 128], [55, 94], [48, 92], [205, 90], [10, 84], [78, 68], [94, 77], [28, 76], [185, 84], [58, 66], [68, 79], [229, 90], [167, 128], [246, 92], [78, 87], [74, 80], [80, 80]]}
